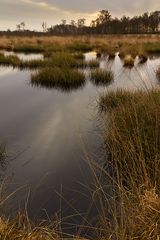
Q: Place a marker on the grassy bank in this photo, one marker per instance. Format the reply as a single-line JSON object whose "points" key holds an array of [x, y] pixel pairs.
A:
{"points": [[132, 140]]}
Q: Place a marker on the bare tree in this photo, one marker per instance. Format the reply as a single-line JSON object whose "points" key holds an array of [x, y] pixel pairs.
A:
{"points": [[44, 26]]}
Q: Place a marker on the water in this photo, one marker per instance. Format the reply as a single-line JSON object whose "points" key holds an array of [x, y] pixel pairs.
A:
{"points": [[48, 133]]}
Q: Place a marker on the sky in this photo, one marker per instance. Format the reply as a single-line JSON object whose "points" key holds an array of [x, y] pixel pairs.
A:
{"points": [[34, 12]]}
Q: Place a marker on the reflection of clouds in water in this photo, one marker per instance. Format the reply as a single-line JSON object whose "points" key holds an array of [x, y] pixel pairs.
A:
{"points": [[6, 70], [25, 57]]}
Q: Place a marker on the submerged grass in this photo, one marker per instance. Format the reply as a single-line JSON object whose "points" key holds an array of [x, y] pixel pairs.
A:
{"points": [[101, 77], [60, 78]]}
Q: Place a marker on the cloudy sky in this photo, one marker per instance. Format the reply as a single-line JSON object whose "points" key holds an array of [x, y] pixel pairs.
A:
{"points": [[34, 12]]}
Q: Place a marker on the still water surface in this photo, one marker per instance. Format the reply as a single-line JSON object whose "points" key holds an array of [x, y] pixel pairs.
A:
{"points": [[47, 133]]}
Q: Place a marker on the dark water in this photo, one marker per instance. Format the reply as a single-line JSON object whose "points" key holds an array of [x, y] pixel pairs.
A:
{"points": [[48, 134]]}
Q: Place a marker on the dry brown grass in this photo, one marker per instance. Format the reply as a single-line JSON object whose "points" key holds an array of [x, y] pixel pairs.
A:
{"points": [[132, 137], [125, 43]]}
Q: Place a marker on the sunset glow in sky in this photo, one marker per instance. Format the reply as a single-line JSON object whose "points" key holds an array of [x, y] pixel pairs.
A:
{"points": [[34, 12]]}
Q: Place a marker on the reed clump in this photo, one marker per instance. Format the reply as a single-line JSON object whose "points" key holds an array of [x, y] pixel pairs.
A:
{"points": [[12, 60], [32, 64], [79, 55], [61, 59], [93, 63], [128, 61], [143, 58], [134, 135], [60, 78], [158, 74], [132, 141], [101, 77]]}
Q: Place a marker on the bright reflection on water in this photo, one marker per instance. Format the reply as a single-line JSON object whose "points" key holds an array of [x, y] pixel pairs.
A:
{"points": [[24, 56], [47, 133]]}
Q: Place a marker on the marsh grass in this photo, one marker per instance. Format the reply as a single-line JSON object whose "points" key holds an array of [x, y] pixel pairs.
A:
{"points": [[128, 61], [80, 46], [21, 229], [98, 54], [26, 48], [79, 55], [93, 63], [15, 61], [101, 77], [143, 58], [132, 141], [152, 47], [12, 60], [60, 78], [158, 74], [114, 99], [61, 59], [32, 64], [134, 135]]}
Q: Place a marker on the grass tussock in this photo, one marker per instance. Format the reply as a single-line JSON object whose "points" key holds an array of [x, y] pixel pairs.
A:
{"points": [[79, 55], [143, 58], [158, 74], [61, 59], [93, 63], [60, 78], [11, 60], [128, 61], [101, 77]]}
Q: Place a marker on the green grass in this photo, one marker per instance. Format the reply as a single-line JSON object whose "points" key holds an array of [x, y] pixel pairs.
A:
{"points": [[62, 59], [29, 48], [9, 60], [14, 61], [93, 63], [32, 64], [59, 78], [79, 55], [101, 77], [80, 46], [152, 47], [57, 59]]}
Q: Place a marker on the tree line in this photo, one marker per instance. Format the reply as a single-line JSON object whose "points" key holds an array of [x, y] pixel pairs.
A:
{"points": [[103, 24], [106, 24]]}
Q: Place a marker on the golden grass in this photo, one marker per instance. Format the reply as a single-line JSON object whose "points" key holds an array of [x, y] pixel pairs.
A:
{"points": [[132, 140], [128, 61], [128, 44]]}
